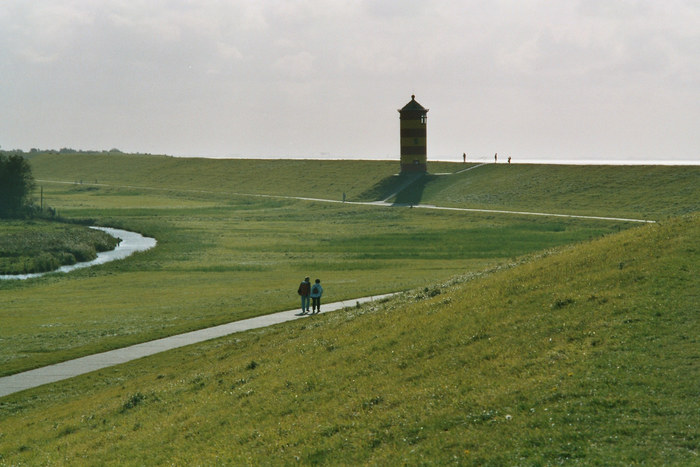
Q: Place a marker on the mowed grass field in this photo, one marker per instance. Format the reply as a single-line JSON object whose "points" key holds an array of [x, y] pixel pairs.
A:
{"points": [[522, 340]]}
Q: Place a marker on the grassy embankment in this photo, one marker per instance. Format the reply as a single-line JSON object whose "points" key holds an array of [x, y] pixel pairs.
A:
{"points": [[224, 256], [586, 354], [640, 192], [39, 246], [624, 191]]}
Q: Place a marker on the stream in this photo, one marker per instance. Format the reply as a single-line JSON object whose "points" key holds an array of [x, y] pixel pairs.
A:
{"points": [[130, 243]]}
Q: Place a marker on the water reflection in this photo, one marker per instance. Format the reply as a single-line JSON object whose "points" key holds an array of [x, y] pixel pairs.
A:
{"points": [[130, 243]]}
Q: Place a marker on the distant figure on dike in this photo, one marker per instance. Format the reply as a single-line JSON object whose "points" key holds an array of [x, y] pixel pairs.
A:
{"points": [[304, 291], [495, 158], [509, 159], [464, 157], [316, 292]]}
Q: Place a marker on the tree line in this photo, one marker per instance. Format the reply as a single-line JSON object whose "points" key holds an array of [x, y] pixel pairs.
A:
{"points": [[61, 151]]}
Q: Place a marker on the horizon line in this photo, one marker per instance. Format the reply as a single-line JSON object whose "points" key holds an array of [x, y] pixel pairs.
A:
{"points": [[396, 158], [538, 161]]}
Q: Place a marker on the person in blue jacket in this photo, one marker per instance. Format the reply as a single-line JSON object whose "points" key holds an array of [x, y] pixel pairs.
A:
{"points": [[316, 292]]}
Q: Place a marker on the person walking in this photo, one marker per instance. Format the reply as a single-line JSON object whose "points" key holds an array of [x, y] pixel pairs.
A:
{"points": [[304, 291], [316, 292]]}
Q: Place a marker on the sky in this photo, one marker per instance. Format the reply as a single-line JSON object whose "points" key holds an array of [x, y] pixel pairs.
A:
{"points": [[568, 80]]}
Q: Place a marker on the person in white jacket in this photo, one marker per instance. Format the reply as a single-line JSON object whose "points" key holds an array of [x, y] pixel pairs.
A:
{"points": [[316, 292]]}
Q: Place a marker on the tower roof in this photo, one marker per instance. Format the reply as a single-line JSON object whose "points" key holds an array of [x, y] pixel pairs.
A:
{"points": [[413, 106]]}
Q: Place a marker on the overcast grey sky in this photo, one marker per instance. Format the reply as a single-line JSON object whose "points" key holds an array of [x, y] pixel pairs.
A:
{"points": [[564, 79]]}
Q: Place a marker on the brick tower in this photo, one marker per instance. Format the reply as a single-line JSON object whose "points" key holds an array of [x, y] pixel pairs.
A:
{"points": [[413, 137]]}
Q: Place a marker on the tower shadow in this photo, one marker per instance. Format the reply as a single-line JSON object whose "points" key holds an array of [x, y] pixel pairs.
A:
{"points": [[411, 193], [402, 189]]}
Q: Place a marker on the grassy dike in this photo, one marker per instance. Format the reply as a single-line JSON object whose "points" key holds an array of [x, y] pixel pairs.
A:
{"points": [[646, 192], [225, 252], [585, 354], [642, 192]]}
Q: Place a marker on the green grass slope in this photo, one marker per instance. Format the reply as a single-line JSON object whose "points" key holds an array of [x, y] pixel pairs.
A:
{"points": [[223, 257], [587, 354], [645, 192], [220, 261], [324, 179], [641, 192]]}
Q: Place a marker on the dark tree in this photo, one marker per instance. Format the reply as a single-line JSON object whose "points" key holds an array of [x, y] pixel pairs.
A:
{"points": [[16, 185]]}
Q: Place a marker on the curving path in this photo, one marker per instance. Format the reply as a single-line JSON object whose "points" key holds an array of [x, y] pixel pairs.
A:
{"points": [[60, 371], [80, 366]]}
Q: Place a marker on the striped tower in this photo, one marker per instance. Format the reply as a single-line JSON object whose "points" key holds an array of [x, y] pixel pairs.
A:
{"points": [[413, 137]]}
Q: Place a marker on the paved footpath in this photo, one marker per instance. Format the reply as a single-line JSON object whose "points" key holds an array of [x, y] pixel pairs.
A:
{"points": [[60, 371]]}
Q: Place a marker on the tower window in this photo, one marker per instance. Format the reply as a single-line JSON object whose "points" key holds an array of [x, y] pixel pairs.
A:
{"points": [[423, 119]]}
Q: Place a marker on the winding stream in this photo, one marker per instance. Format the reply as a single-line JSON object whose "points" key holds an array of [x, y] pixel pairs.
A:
{"points": [[130, 243]]}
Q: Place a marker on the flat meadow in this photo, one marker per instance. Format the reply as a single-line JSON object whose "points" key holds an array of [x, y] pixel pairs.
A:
{"points": [[518, 340]]}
